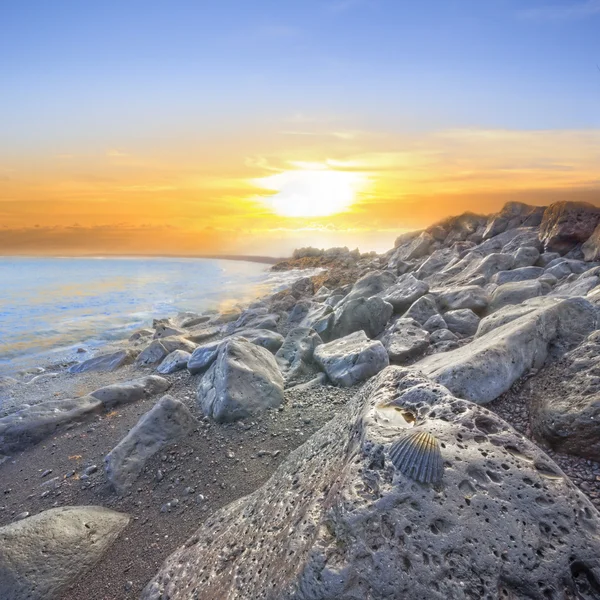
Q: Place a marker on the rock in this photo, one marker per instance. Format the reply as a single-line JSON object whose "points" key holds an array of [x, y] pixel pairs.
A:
{"points": [[470, 296], [422, 310], [322, 294], [546, 258], [141, 334], [404, 340], [407, 290], [165, 330], [579, 287], [152, 354], [172, 343], [417, 247], [338, 521], [437, 261], [565, 402], [548, 279], [521, 274], [591, 248], [512, 215], [317, 317], [566, 224], [367, 314], [302, 287], [517, 292], [443, 335], [176, 361], [434, 323], [131, 391], [105, 362], [492, 264], [243, 380], [463, 322], [163, 425], [202, 334], [351, 359], [193, 320], [255, 319], [43, 554], [526, 257], [371, 284], [203, 356], [559, 270], [295, 357], [31, 424], [271, 340], [283, 304], [490, 364]]}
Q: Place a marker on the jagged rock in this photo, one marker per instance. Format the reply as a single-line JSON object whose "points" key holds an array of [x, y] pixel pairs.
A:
{"points": [[302, 287], [422, 310], [404, 340], [591, 248], [172, 343], [338, 521], [546, 258], [459, 228], [318, 317], [322, 294], [442, 335], [295, 357], [566, 224], [437, 261], [43, 554], [559, 270], [526, 257], [492, 264], [371, 284], [463, 322], [434, 323], [152, 354], [283, 304], [141, 334], [271, 340], [334, 300], [202, 334], [520, 274], [565, 401], [164, 424], [368, 314], [548, 279], [470, 296], [516, 292], [131, 391], [491, 363], [351, 359], [176, 361], [403, 293], [257, 318], [203, 356], [105, 362], [579, 287], [166, 330], [242, 381], [513, 215], [192, 320]]}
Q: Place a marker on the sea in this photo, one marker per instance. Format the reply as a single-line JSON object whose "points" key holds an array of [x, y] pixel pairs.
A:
{"points": [[51, 307]]}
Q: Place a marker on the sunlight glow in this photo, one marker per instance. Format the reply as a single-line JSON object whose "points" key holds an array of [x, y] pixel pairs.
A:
{"points": [[311, 192]]}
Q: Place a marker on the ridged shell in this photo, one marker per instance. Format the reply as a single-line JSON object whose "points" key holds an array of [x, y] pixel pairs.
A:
{"points": [[418, 455]]}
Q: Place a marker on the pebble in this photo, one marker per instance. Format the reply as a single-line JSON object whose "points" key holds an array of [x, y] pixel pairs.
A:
{"points": [[46, 473], [22, 515]]}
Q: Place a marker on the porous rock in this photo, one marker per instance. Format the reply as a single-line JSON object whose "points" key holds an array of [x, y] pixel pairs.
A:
{"points": [[422, 309], [164, 424], [367, 314], [295, 357], [41, 555], [338, 520], [404, 340], [374, 282], [403, 293], [516, 292], [462, 322]]}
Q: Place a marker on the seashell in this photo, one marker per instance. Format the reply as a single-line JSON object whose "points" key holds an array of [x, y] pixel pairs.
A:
{"points": [[418, 455]]}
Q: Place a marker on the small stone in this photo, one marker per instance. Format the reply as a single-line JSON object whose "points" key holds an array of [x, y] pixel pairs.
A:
{"points": [[46, 473], [21, 516], [91, 469]]}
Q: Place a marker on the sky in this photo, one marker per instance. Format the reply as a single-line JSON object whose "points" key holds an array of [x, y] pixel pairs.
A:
{"points": [[236, 127]]}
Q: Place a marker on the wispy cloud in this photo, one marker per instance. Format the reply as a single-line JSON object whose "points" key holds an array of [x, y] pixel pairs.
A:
{"points": [[563, 12]]}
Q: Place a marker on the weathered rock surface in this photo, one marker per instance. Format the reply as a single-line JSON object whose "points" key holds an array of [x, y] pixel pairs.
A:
{"points": [[167, 330], [402, 294], [338, 520], [271, 340], [472, 297], [164, 424], [203, 356], [131, 391], [105, 362], [371, 284], [521, 274], [591, 248], [255, 318], [566, 224], [243, 380], [517, 292], [565, 401], [490, 364], [176, 361], [295, 357], [351, 359], [527, 256], [404, 340], [361, 314], [463, 322], [422, 310], [41, 555], [512, 215]]}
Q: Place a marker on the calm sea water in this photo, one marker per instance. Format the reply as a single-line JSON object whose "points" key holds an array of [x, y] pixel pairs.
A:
{"points": [[49, 307]]}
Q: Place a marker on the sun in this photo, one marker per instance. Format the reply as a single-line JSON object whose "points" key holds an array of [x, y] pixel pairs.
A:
{"points": [[311, 192]]}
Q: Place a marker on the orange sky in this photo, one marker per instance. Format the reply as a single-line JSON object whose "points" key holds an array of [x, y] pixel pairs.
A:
{"points": [[182, 197]]}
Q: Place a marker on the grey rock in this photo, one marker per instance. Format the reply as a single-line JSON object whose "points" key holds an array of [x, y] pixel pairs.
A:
{"points": [[295, 357], [203, 356], [417, 247], [244, 380], [422, 310], [526, 257], [163, 425], [200, 335], [105, 362], [566, 224], [443, 335], [591, 248], [434, 323], [176, 361], [152, 354], [43, 554], [546, 258], [559, 270], [255, 319], [517, 292], [371, 284], [352, 526], [512, 215], [472, 297], [141, 334], [351, 359], [579, 287], [131, 391], [402, 294], [463, 322], [166, 330], [548, 279], [367, 314], [271, 340], [404, 340], [522, 274]]}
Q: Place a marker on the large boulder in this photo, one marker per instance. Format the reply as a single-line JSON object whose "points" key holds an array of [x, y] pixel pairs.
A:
{"points": [[361, 314], [41, 555], [416, 247], [126, 392], [404, 340], [463, 322], [105, 362], [422, 310], [566, 224], [338, 520], [591, 248], [271, 340], [371, 284], [472, 297], [565, 401], [203, 356], [242, 381], [520, 274], [295, 357], [490, 364], [163, 425], [351, 359], [517, 292], [402, 294], [527, 256], [255, 318], [176, 361], [512, 215], [158, 350]]}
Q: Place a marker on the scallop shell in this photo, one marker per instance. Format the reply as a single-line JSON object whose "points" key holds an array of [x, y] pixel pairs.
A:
{"points": [[418, 455]]}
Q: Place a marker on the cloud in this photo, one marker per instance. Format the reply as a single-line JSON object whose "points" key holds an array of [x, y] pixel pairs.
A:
{"points": [[563, 12], [115, 153]]}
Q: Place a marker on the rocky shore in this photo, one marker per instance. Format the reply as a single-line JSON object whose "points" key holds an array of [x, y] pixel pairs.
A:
{"points": [[423, 423]]}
